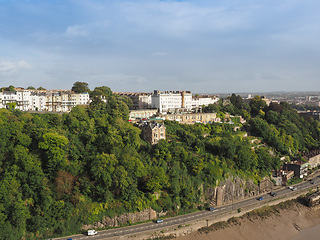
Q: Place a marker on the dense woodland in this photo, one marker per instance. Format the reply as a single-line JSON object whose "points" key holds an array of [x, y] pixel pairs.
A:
{"points": [[58, 172]]}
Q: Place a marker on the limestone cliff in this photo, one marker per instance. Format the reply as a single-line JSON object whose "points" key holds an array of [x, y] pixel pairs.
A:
{"points": [[234, 189], [230, 190]]}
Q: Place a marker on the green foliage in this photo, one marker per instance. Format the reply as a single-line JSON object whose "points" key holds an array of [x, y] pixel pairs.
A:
{"points": [[101, 92], [12, 105], [80, 87], [60, 172], [11, 88]]}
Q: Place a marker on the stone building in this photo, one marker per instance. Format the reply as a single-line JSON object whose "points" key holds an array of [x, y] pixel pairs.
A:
{"points": [[313, 199], [142, 114], [313, 157], [153, 132], [192, 118]]}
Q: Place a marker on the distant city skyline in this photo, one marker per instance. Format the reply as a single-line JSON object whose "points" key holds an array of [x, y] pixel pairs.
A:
{"points": [[202, 46]]}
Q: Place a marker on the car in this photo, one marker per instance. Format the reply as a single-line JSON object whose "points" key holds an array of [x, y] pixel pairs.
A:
{"points": [[290, 187], [293, 189], [92, 232], [260, 199], [273, 194], [211, 209], [159, 221], [312, 182]]}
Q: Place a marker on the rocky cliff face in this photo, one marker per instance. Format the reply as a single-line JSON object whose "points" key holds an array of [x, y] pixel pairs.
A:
{"points": [[145, 215], [230, 190], [235, 189]]}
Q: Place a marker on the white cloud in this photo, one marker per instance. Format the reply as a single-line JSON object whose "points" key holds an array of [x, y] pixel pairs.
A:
{"points": [[10, 67]]}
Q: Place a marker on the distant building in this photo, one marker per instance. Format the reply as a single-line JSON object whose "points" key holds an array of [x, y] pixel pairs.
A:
{"points": [[43, 100], [192, 118], [142, 114], [20, 97], [168, 101], [281, 177], [139, 100], [300, 168], [153, 132], [313, 157], [198, 102], [171, 101], [310, 114]]}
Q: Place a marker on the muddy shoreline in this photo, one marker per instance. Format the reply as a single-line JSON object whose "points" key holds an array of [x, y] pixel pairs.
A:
{"points": [[283, 223]]}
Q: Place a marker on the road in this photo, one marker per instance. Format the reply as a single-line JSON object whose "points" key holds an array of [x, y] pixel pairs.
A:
{"points": [[200, 215]]}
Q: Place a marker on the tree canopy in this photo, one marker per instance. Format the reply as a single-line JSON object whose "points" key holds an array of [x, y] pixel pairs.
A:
{"points": [[58, 172], [80, 87]]}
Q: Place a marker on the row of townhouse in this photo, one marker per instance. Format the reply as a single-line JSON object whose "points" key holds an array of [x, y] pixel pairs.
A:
{"points": [[169, 101], [43, 100], [298, 168], [65, 100]]}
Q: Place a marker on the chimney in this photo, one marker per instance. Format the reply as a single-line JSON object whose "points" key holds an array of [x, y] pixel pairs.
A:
{"points": [[183, 104]]}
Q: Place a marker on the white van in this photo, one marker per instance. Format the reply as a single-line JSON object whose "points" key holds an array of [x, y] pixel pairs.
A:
{"points": [[92, 232]]}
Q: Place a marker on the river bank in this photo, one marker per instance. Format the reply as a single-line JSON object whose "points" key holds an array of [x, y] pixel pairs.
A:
{"points": [[292, 220]]}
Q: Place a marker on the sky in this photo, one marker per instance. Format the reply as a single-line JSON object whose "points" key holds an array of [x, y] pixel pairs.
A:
{"points": [[204, 46]]}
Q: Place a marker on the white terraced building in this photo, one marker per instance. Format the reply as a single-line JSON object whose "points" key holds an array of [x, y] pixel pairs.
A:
{"points": [[198, 102], [43, 100], [171, 100]]}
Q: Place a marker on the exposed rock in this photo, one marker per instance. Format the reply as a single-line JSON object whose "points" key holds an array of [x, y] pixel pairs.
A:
{"points": [[230, 190], [234, 189], [145, 215]]}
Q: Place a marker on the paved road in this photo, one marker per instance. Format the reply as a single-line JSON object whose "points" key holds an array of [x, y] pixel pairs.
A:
{"points": [[175, 221]]}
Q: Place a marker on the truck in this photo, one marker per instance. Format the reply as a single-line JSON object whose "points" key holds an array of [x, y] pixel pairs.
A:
{"points": [[92, 232]]}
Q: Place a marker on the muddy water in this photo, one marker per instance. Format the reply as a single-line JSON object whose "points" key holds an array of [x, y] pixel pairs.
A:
{"points": [[308, 234]]}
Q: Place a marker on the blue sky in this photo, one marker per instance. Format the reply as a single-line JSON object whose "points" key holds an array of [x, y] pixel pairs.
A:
{"points": [[206, 46]]}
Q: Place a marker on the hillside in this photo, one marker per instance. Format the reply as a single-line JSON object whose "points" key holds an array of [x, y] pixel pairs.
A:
{"points": [[60, 172]]}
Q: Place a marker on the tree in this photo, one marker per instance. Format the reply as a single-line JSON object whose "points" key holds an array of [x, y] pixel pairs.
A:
{"points": [[256, 105], [12, 105], [53, 144], [211, 108], [31, 88], [80, 87], [41, 88], [11, 88], [103, 91]]}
